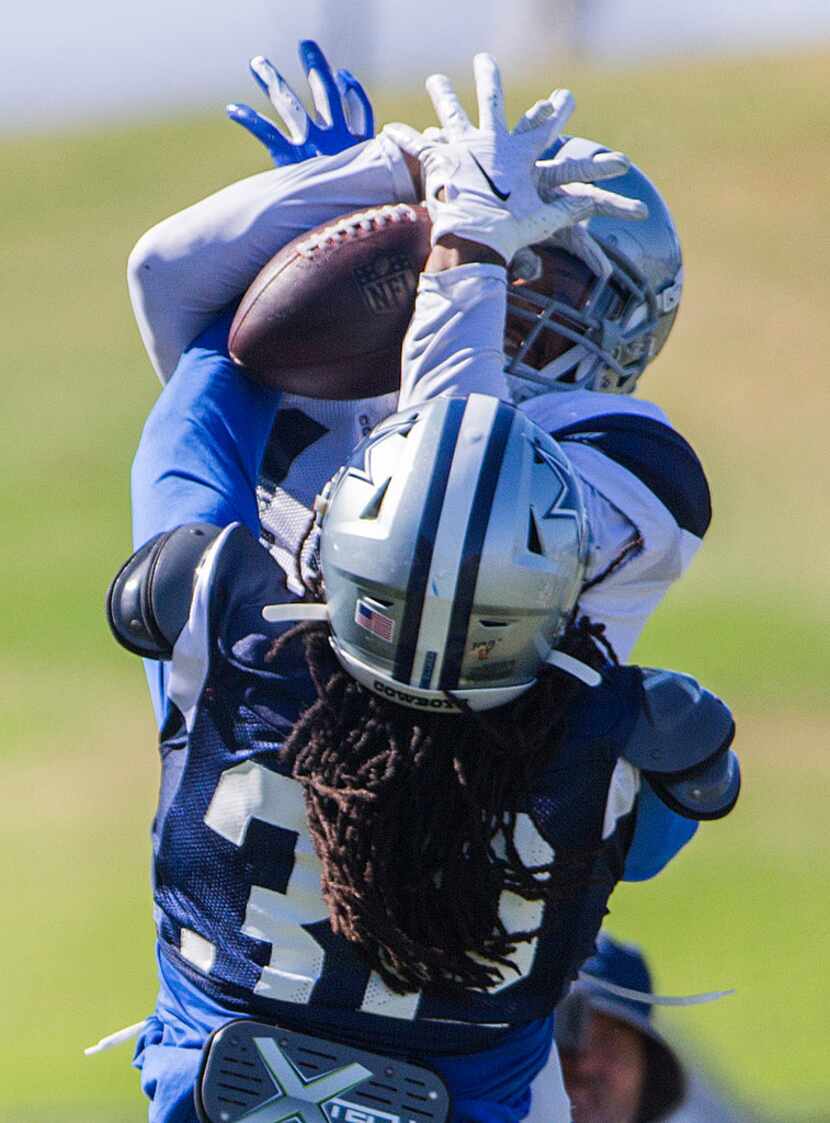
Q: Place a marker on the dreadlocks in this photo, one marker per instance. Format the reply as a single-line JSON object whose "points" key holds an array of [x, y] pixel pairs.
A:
{"points": [[412, 816]]}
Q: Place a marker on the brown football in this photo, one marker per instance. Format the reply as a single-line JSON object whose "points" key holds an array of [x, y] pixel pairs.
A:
{"points": [[326, 316]]}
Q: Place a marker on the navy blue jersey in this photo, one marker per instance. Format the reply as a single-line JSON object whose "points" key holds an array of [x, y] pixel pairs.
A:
{"points": [[236, 877], [237, 881]]}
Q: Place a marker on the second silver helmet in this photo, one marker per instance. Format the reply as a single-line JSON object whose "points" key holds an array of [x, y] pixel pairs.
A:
{"points": [[570, 329]]}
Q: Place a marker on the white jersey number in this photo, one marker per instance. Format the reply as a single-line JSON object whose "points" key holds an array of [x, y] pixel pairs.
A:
{"points": [[248, 791]]}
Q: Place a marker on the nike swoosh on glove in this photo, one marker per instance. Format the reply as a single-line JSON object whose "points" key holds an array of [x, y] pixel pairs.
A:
{"points": [[481, 182]]}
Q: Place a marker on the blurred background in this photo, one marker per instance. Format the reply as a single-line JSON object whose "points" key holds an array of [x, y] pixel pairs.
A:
{"points": [[111, 118]]}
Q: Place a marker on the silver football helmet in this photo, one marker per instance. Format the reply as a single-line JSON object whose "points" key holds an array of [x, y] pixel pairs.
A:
{"points": [[568, 328], [452, 549]]}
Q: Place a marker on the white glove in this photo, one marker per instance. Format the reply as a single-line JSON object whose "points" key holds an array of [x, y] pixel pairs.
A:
{"points": [[563, 176], [481, 183]]}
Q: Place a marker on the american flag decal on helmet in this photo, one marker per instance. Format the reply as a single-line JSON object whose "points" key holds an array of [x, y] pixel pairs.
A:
{"points": [[374, 621]]}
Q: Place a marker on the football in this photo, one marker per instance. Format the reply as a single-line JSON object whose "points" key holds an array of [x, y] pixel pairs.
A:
{"points": [[327, 315]]}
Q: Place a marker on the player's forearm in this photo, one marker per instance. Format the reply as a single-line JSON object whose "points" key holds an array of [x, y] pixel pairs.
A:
{"points": [[203, 443], [454, 344], [185, 270], [199, 456], [659, 835], [451, 251]]}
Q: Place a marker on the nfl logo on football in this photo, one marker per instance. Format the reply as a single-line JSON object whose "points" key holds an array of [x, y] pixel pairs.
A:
{"points": [[387, 283]]}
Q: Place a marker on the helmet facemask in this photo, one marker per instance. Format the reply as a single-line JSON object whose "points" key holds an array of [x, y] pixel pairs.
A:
{"points": [[568, 329], [568, 326]]}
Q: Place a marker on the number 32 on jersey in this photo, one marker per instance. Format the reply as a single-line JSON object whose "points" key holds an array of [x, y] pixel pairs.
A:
{"points": [[249, 791]]}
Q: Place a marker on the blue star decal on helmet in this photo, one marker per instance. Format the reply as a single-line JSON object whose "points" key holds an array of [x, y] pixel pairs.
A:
{"points": [[567, 504]]}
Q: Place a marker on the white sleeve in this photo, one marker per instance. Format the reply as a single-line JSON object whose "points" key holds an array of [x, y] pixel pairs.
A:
{"points": [[639, 549], [614, 538], [647, 519], [455, 340], [186, 269]]}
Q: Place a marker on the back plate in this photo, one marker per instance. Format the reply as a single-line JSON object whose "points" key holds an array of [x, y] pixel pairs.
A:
{"points": [[258, 1073]]}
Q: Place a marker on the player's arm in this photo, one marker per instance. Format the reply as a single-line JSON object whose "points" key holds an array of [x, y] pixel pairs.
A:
{"points": [[455, 338], [659, 836], [189, 267], [196, 468], [247, 223], [647, 498], [202, 444], [643, 472], [681, 745], [480, 185]]}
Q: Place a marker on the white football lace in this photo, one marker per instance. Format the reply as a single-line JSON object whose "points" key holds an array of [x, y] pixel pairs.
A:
{"points": [[349, 226], [655, 999]]}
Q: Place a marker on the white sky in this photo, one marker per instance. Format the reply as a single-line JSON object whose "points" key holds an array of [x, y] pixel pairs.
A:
{"points": [[89, 59]]}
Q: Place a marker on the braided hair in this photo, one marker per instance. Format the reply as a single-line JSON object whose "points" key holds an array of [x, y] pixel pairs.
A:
{"points": [[413, 816]]}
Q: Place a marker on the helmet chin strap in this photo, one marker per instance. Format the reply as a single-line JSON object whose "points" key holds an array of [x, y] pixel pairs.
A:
{"points": [[574, 667], [288, 613]]}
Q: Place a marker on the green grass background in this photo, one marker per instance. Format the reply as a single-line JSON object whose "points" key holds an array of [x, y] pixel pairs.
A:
{"points": [[742, 151]]}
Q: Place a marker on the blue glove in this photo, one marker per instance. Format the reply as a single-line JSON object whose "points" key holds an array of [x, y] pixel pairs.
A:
{"points": [[343, 112]]}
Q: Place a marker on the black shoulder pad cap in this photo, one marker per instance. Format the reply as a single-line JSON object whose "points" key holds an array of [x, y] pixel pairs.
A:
{"points": [[708, 791], [681, 741], [149, 600]]}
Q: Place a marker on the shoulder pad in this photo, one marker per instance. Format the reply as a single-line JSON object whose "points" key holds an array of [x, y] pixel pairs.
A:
{"points": [[658, 456], [708, 791], [680, 741], [148, 602], [680, 723]]}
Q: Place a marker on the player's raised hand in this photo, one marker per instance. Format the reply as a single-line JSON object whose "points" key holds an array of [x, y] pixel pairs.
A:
{"points": [[482, 183], [564, 176], [477, 179], [342, 111]]}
